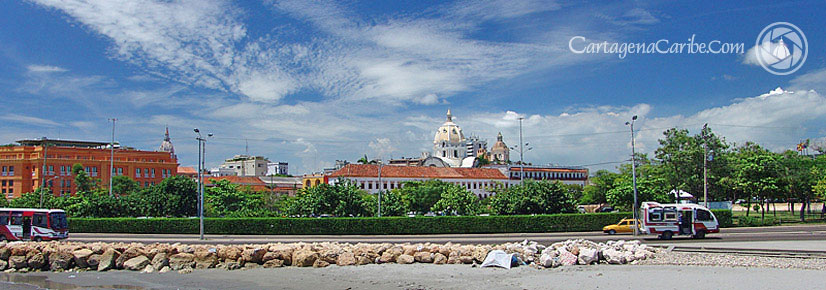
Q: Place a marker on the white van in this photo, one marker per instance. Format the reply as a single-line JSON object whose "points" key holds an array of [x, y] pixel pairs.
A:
{"points": [[667, 220]]}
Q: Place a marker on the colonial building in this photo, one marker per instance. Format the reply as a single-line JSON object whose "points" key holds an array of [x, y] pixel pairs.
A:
{"points": [[244, 165], [277, 168], [372, 177], [566, 175], [33, 163]]}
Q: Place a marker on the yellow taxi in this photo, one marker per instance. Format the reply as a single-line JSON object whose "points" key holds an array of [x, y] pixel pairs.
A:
{"points": [[624, 226]]}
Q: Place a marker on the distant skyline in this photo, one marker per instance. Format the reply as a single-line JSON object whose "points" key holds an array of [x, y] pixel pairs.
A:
{"points": [[310, 82]]}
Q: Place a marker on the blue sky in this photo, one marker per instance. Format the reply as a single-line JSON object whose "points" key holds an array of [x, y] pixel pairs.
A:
{"points": [[310, 82]]}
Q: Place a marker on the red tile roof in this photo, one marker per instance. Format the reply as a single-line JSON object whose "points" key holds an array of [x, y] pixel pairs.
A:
{"points": [[253, 182], [184, 170], [391, 171]]}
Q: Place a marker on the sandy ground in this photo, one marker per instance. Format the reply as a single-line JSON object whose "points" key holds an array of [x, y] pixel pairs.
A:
{"points": [[423, 276]]}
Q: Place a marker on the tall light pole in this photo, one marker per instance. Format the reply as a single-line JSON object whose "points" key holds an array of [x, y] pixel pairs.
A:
{"points": [[112, 156], [43, 173], [634, 172], [201, 163], [381, 185], [521, 154], [705, 166]]}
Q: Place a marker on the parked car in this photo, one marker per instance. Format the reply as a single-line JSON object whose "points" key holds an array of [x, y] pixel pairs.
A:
{"points": [[624, 226]]}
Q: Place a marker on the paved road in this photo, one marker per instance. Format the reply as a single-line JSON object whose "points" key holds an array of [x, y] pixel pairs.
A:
{"points": [[780, 233]]}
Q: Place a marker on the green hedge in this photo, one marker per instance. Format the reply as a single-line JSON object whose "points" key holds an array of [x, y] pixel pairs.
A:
{"points": [[352, 226], [367, 226], [723, 217]]}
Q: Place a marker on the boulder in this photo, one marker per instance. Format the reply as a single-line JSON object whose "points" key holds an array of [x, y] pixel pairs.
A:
{"points": [[129, 253], [165, 269], [387, 257], [248, 266], [229, 253], [346, 259], [81, 256], [546, 260], [3, 265], [253, 255], [439, 258], [613, 256], [108, 259], [587, 256], [186, 270], [136, 264], [304, 258], [160, 260], [205, 259], [232, 265], [282, 252], [567, 258], [423, 257], [273, 263], [466, 259], [59, 261], [405, 259], [319, 263], [36, 261], [5, 253], [93, 261], [362, 260], [181, 261], [148, 269], [479, 254]]}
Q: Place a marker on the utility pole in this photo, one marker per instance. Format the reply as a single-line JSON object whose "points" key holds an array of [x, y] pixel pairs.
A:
{"points": [[705, 166], [201, 165], [381, 185], [634, 173], [112, 156], [521, 160], [43, 173]]}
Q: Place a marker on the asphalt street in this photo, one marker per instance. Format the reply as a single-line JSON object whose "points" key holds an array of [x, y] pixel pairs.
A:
{"points": [[778, 233]]}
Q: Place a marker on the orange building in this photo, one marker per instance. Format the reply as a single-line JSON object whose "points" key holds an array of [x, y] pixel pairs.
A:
{"points": [[24, 168]]}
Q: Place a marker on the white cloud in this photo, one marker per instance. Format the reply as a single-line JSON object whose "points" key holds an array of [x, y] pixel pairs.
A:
{"points": [[36, 68], [29, 120]]}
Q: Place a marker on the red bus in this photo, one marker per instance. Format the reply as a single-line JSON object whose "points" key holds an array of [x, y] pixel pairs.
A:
{"points": [[32, 224]]}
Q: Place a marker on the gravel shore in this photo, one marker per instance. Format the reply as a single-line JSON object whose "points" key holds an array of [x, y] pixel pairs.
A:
{"points": [[727, 260]]}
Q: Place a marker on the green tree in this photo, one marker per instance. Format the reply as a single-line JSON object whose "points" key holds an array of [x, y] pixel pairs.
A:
{"points": [[393, 203], [598, 187], [456, 200], [420, 196], [123, 185], [82, 180], [681, 157], [621, 196], [224, 199], [341, 199], [757, 172], [533, 197], [182, 195]]}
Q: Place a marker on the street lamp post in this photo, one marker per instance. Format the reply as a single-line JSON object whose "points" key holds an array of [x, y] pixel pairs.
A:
{"points": [[705, 166], [201, 162], [381, 185], [634, 173], [112, 156]]}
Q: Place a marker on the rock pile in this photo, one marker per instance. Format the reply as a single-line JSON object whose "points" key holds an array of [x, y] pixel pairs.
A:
{"points": [[584, 252], [61, 256]]}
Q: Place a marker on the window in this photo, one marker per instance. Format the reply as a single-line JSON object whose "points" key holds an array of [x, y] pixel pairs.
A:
{"points": [[39, 221], [4, 218], [4, 171], [670, 214], [3, 183], [153, 172], [655, 214], [120, 171], [137, 172], [704, 216], [51, 170], [16, 218]]}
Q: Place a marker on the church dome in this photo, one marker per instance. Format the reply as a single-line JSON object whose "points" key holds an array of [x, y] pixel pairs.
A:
{"points": [[449, 132], [166, 145]]}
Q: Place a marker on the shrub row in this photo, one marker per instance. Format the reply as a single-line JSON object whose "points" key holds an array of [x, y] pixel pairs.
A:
{"points": [[367, 226]]}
